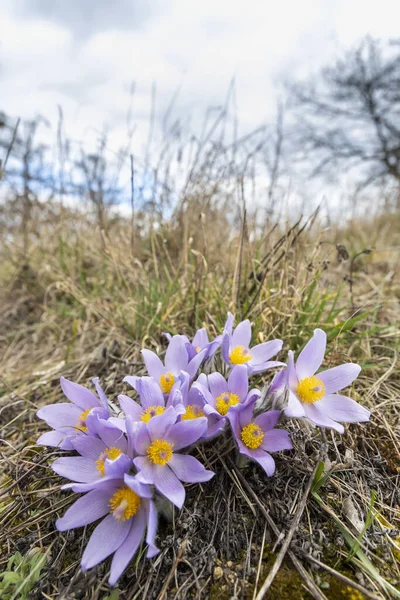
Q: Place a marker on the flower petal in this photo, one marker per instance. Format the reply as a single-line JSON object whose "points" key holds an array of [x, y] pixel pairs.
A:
{"points": [[217, 384], [100, 392], [145, 468], [238, 381], [263, 352], [342, 408], [195, 363], [339, 377], [268, 420], [78, 394], [176, 358], [291, 376], [318, 417], [229, 324], [76, 468], [225, 347], [141, 489], [265, 460], [123, 555], [269, 364], [312, 355], [152, 522], [85, 510], [245, 412], [295, 408], [200, 338], [242, 334], [168, 484], [158, 425], [60, 416], [118, 467], [105, 539], [150, 392], [130, 407], [189, 469], [142, 439], [276, 440], [278, 381], [58, 439], [88, 446], [185, 433], [154, 366], [133, 380]]}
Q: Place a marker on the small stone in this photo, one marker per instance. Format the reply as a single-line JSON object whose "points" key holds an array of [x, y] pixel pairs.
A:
{"points": [[218, 573]]}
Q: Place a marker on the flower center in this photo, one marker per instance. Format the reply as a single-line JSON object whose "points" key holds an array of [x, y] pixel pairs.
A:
{"points": [[224, 401], [151, 412], [252, 436], [112, 453], [310, 389], [124, 504], [81, 424], [240, 355], [193, 411], [160, 452], [167, 380], [198, 349]]}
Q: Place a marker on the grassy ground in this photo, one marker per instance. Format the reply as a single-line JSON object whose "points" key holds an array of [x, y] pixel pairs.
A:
{"points": [[80, 304]]}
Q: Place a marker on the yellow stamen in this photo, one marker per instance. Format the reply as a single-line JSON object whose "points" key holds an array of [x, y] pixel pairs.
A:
{"points": [[151, 412], [193, 411], [167, 380], [198, 349], [160, 452], [252, 436], [112, 453], [81, 424], [224, 401], [310, 389], [240, 355], [124, 504]]}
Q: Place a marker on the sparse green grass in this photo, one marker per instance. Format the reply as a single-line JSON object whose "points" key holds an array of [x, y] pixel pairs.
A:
{"points": [[80, 306]]}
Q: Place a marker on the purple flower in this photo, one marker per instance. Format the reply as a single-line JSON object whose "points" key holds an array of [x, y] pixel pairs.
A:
{"points": [[256, 436], [200, 342], [314, 396], [159, 464], [100, 457], [236, 348], [127, 507], [176, 361], [192, 400], [72, 420], [220, 395], [152, 402]]}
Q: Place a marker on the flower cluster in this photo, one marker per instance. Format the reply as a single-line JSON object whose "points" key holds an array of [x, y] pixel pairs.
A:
{"points": [[122, 462]]}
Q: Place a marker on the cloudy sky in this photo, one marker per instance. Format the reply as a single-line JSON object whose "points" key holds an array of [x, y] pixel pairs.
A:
{"points": [[84, 55]]}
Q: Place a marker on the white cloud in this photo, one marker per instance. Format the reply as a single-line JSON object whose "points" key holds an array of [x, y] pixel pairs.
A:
{"points": [[200, 46]]}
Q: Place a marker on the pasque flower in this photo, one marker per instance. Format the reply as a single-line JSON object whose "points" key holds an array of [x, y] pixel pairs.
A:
{"points": [[200, 342], [176, 361], [152, 402], [159, 463], [191, 402], [220, 395], [128, 509], [236, 348], [313, 395], [256, 436], [71, 419], [102, 457]]}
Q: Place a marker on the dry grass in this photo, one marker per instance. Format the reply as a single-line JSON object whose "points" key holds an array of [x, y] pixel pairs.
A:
{"points": [[81, 304]]}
